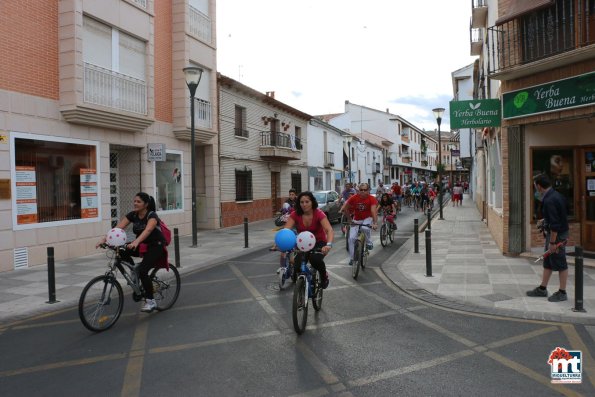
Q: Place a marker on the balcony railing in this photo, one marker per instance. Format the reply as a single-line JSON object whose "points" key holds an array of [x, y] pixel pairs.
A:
{"points": [[202, 113], [541, 34], [479, 11], [200, 25], [376, 168], [105, 87], [140, 3], [476, 38], [329, 159], [280, 139]]}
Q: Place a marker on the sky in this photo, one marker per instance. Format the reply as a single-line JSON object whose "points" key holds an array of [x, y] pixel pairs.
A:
{"points": [[316, 54]]}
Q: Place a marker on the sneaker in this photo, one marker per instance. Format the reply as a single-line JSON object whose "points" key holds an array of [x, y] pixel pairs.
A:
{"points": [[558, 297], [370, 246], [537, 292], [325, 281], [149, 306], [351, 262]]}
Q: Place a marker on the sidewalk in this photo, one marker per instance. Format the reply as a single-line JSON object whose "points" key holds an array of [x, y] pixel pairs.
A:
{"points": [[470, 273]]}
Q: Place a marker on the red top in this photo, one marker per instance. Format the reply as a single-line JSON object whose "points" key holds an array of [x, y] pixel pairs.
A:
{"points": [[315, 227], [396, 190], [362, 208]]}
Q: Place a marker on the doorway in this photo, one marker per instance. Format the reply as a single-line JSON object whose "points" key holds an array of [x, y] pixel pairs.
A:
{"points": [[587, 198], [275, 187]]}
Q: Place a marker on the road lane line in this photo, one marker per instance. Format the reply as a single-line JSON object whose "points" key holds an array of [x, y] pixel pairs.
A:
{"points": [[212, 304], [212, 342], [134, 369], [577, 343], [528, 372], [411, 368], [63, 364], [275, 317], [324, 371], [351, 320], [521, 338]]}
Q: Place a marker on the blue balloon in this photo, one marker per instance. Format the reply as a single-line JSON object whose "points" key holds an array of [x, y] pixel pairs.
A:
{"points": [[285, 239]]}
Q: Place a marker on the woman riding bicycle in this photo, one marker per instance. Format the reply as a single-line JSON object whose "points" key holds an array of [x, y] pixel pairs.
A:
{"points": [[144, 221], [389, 208], [365, 209], [307, 217]]}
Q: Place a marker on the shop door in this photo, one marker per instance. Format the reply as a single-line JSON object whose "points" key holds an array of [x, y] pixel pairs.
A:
{"points": [[587, 191]]}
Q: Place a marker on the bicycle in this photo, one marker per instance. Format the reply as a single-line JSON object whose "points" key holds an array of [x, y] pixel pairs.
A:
{"points": [[360, 250], [102, 299], [308, 281], [286, 270], [416, 202], [387, 230]]}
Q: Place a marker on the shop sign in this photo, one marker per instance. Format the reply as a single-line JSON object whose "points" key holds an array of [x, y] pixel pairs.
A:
{"points": [[156, 152], [475, 114], [455, 153], [568, 93]]}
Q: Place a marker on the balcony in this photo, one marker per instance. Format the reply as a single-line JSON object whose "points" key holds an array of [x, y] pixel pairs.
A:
{"points": [[551, 37], [329, 159], [376, 168], [203, 123], [476, 39], [202, 113], [114, 101], [279, 146], [200, 25], [405, 138], [479, 13]]}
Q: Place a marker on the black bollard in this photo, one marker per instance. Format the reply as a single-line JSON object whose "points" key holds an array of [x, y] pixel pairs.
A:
{"points": [[578, 280], [416, 236], [429, 227], [51, 276], [245, 232], [428, 253], [177, 246]]}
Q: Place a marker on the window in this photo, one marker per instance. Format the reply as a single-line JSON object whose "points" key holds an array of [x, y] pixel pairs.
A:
{"points": [[298, 138], [243, 184], [318, 181], [296, 181], [168, 182], [557, 164], [54, 180], [240, 122], [114, 68]]}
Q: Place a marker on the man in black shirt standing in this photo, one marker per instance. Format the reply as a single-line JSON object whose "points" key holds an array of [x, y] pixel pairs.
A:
{"points": [[555, 223]]}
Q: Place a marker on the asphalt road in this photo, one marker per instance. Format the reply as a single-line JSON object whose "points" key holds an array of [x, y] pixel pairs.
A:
{"points": [[231, 334]]}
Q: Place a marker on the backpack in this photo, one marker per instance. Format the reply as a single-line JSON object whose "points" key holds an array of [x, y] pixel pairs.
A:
{"points": [[165, 231]]}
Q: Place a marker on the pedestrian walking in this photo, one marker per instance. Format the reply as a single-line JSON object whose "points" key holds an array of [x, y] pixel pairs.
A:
{"points": [[555, 226]]}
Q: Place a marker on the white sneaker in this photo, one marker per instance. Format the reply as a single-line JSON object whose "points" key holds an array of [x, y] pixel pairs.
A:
{"points": [[149, 306]]}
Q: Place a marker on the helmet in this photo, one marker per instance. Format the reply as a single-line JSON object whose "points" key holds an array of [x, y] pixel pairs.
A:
{"points": [[285, 239], [116, 237], [286, 206], [305, 241]]}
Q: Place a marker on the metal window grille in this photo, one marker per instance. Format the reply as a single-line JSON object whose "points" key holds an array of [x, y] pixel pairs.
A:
{"points": [[243, 185], [296, 181]]}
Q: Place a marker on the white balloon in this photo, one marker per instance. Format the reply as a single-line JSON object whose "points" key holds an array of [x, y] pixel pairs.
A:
{"points": [[305, 241], [116, 237]]}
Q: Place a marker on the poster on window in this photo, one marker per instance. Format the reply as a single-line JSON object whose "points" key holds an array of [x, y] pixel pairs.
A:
{"points": [[89, 202], [26, 195]]}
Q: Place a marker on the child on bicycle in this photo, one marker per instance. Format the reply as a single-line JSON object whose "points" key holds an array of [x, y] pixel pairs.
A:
{"points": [[389, 208], [308, 217], [365, 211]]}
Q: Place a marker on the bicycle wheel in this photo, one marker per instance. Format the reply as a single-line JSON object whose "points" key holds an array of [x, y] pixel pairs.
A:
{"points": [[283, 271], [347, 230], [344, 224], [101, 303], [364, 259], [357, 256], [391, 232], [318, 291], [383, 235], [300, 306], [166, 286]]}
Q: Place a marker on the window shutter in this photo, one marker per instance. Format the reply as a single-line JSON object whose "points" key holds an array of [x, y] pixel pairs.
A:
{"points": [[97, 43]]}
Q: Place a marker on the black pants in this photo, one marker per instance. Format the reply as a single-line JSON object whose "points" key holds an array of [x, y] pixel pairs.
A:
{"points": [[150, 258], [316, 259]]}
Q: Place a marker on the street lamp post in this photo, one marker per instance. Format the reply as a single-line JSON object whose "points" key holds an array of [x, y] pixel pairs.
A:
{"points": [[348, 139], [193, 75], [438, 112]]}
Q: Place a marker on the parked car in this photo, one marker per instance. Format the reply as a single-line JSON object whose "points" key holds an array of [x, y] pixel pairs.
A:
{"points": [[328, 202]]}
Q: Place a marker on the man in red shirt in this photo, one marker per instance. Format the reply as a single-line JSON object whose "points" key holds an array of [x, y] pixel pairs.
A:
{"points": [[364, 208]]}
